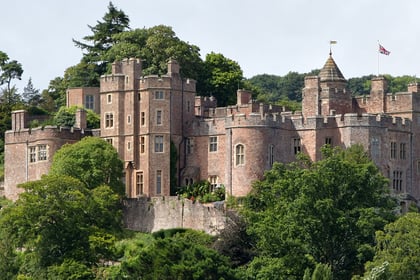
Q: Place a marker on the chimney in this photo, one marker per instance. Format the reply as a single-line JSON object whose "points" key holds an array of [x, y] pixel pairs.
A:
{"points": [[243, 96], [81, 121]]}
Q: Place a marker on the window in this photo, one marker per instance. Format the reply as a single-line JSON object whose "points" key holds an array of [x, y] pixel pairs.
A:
{"points": [[271, 155], [402, 151], [129, 145], [109, 98], [213, 144], [397, 180], [142, 118], [213, 182], [129, 119], [109, 120], [142, 144], [159, 94], [158, 117], [89, 102], [296, 145], [188, 106], [328, 141], [159, 144], [240, 154], [393, 150], [418, 166], [42, 152], [109, 140], [32, 154], [189, 146], [158, 181], [139, 183]]}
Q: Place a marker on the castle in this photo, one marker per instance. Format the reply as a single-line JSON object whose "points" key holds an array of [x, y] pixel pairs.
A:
{"points": [[148, 118]]}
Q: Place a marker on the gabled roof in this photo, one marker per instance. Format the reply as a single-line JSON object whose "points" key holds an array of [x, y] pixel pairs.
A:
{"points": [[330, 71]]}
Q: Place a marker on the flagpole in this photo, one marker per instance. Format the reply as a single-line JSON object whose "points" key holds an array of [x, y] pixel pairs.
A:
{"points": [[378, 58]]}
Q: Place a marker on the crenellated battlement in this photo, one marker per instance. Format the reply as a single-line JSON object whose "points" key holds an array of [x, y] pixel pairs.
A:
{"points": [[45, 133], [112, 82]]}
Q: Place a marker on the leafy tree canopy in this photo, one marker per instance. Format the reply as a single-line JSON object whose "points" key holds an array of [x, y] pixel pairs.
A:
{"points": [[398, 246], [92, 160], [58, 220], [319, 212], [66, 117], [184, 255]]}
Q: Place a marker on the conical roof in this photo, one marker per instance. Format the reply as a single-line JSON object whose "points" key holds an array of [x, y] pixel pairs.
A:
{"points": [[330, 71]]}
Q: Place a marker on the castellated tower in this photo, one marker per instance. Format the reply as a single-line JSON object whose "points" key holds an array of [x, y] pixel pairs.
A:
{"points": [[326, 94], [143, 116]]}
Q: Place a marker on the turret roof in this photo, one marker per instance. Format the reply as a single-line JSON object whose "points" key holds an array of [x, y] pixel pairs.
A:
{"points": [[330, 71]]}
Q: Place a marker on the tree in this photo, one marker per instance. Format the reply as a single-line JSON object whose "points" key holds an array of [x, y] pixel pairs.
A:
{"points": [[66, 117], [55, 96], [113, 22], [221, 78], [93, 161], [398, 246], [31, 95], [326, 212], [155, 46], [9, 70], [58, 221], [184, 255]]}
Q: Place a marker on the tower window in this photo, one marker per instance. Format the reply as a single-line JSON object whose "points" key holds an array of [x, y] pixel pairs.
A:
{"points": [[158, 117], [139, 183], [142, 144], [42, 152], [158, 181], [240, 154], [89, 102], [159, 94], [159, 144], [213, 144], [142, 118], [296, 145], [32, 154], [393, 150], [109, 120]]}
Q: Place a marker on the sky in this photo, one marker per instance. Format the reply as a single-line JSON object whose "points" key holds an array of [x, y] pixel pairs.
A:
{"points": [[262, 36]]}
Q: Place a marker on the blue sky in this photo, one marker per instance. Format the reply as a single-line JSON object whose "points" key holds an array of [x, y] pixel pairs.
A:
{"points": [[264, 36]]}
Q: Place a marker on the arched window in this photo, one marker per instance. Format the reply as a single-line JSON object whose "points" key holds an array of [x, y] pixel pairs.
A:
{"points": [[240, 154]]}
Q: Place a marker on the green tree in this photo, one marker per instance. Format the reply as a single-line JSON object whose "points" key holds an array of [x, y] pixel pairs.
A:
{"points": [[184, 255], [113, 22], [57, 220], [55, 96], [31, 96], [220, 78], [66, 117], [320, 212], [155, 46], [91, 160], [398, 246]]}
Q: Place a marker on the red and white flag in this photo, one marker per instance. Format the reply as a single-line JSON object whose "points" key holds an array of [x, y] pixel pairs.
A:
{"points": [[382, 50]]}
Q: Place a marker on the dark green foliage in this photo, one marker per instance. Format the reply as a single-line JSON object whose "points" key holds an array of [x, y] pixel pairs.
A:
{"points": [[322, 212], [66, 117], [91, 160], [361, 85], [398, 249], [202, 191], [234, 241], [184, 255], [63, 227], [220, 78]]}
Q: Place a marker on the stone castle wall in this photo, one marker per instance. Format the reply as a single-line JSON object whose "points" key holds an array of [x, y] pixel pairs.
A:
{"points": [[156, 213]]}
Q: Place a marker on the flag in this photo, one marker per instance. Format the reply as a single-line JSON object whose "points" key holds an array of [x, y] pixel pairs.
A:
{"points": [[382, 50], [333, 42]]}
